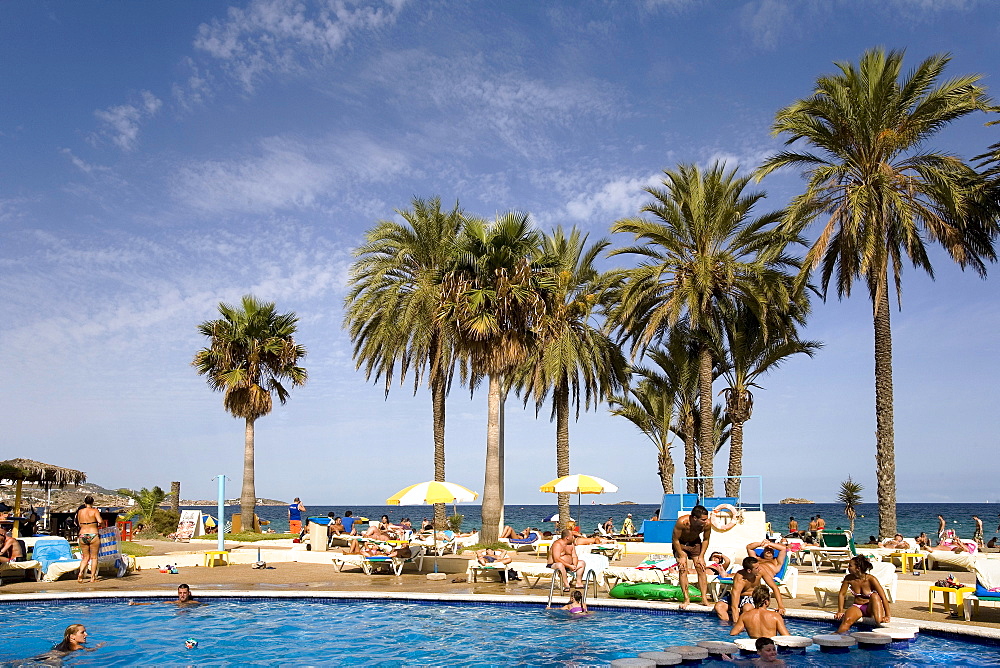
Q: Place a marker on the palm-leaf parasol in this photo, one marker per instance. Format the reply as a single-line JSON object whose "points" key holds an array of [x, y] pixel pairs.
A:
{"points": [[45, 476]]}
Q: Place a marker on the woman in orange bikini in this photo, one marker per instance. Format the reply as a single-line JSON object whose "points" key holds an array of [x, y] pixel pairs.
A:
{"points": [[869, 597], [89, 519]]}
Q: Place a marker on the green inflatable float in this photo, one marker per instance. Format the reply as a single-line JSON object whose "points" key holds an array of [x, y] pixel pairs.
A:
{"points": [[651, 591]]}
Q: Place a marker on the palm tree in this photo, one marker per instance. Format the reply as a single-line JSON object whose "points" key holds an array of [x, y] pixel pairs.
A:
{"points": [[662, 402], [703, 255], [392, 308], [147, 501], [252, 351], [495, 297], [574, 359], [885, 194], [752, 350], [850, 496]]}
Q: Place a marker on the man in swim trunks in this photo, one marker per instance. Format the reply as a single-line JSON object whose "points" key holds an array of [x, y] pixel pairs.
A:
{"points": [[744, 582], [563, 558], [690, 540], [978, 534], [793, 527], [772, 555], [760, 622]]}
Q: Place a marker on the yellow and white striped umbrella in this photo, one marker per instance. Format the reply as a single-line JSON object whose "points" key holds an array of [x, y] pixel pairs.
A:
{"points": [[431, 492], [579, 484]]}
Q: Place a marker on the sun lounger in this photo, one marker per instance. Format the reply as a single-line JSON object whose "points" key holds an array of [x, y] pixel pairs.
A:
{"points": [[22, 567], [987, 586], [884, 571], [950, 561], [109, 557], [355, 560], [525, 544], [528, 570]]}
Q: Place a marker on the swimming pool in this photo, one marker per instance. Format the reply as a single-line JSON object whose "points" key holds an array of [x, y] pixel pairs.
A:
{"points": [[274, 631]]}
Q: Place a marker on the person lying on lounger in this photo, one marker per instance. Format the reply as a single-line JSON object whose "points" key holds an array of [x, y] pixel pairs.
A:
{"points": [[509, 533], [493, 557]]}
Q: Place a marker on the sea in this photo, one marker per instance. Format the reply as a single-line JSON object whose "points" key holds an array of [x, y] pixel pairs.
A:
{"points": [[911, 518]]}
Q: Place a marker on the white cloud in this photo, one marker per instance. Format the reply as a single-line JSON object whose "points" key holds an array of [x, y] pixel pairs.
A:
{"points": [[195, 90], [287, 173], [603, 203], [122, 122], [81, 164], [288, 36]]}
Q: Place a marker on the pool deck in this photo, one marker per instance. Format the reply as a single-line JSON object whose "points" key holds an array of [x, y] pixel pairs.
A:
{"points": [[296, 572]]}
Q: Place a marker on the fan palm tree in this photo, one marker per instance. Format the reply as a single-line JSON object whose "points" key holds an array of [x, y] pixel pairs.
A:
{"points": [[850, 496], [496, 295], [702, 254], [885, 195], [574, 359], [752, 350], [252, 350], [392, 308]]}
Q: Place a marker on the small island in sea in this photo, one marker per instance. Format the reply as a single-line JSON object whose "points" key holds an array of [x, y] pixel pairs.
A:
{"points": [[790, 500]]}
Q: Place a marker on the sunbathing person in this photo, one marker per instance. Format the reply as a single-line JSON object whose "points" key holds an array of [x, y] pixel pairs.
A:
{"points": [[487, 557], [401, 552], [336, 527], [740, 597], [869, 597], [719, 563], [949, 545], [897, 542], [760, 622], [772, 555], [563, 559], [595, 539], [508, 533], [377, 532]]}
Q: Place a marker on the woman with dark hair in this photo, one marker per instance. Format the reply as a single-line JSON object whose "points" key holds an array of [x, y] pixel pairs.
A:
{"points": [[869, 596], [89, 519]]}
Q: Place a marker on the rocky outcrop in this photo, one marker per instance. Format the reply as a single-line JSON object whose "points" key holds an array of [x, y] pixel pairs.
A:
{"points": [[795, 501]]}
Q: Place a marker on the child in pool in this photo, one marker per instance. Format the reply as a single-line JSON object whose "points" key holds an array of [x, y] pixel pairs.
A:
{"points": [[576, 604]]}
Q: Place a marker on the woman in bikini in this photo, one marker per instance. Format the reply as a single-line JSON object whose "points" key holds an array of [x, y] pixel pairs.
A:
{"points": [[576, 605], [869, 597], [89, 519]]}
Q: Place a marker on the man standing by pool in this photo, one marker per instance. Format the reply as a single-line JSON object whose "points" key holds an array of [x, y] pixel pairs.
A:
{"points": [[295, 510], [690, 540], [978, 535]]}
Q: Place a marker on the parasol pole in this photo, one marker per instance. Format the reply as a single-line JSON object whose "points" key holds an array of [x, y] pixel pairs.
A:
{"points": [[17, 508], [220, 526]]}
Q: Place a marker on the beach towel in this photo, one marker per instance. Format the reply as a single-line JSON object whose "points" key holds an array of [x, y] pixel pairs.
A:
{"points": [[52, 550]]}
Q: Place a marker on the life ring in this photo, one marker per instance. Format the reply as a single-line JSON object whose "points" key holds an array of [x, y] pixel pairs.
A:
{"points": [[652, 591], [723, 508]]}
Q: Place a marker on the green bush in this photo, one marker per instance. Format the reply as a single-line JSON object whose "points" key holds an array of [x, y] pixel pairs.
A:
{"points": [[455, 522], [165, 521]]}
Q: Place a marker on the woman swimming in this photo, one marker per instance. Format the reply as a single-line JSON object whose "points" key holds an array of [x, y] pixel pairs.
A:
{"points": [[576, 604], [869, 596]]}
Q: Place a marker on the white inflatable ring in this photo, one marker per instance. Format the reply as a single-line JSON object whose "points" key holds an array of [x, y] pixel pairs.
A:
{"points": [[724, 508]]}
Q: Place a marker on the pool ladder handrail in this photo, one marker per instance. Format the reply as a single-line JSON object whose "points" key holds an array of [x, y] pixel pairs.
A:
{"points": [[586, 585]]}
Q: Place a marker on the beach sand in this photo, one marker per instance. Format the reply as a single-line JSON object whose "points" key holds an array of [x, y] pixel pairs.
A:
{"points": [[292, 576]]}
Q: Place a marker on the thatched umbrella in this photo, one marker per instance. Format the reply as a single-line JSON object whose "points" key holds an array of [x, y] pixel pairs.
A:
{"points": [[44, 475]]}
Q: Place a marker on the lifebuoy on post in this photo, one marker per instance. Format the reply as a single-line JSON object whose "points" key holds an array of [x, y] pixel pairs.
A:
{"points": [[717, 512]]}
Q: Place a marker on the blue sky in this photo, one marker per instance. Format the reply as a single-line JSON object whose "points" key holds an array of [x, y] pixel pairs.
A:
{"points": [[158, 158]]}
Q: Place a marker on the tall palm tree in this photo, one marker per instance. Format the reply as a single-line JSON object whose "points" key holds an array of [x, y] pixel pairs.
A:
{"points": [[661, 404], [703, 253], [884, 194], [574, 359], [495, 297], [752, 350], [252, 350], [392, 308]]}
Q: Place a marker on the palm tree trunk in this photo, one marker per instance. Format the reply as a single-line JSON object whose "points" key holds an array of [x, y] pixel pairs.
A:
{"points": [[735, 459], [690, 453], [561, 398], [666, 466], [438, 401], [885, 455], [248, 497], [492, 489], [706, 436]]}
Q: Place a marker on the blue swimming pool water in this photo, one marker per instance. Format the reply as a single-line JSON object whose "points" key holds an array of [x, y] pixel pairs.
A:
{"points": [[300, 632]]}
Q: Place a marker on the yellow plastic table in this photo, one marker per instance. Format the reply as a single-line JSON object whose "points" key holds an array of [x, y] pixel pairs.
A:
{"points": [[908, 559], [216, 555], [946, 595]]}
